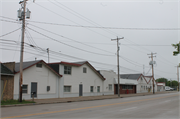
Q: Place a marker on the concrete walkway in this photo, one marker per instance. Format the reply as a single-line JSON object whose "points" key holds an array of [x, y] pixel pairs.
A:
{"points": [[83, 98]]}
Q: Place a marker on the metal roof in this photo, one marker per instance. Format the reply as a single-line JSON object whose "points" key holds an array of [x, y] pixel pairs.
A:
{"points": [[25, 65], [130, 76], [5, 70]]}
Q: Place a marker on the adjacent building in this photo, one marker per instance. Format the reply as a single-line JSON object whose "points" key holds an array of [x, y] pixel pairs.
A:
{"points": [[7, 80], [145, 83], [39, 78]]}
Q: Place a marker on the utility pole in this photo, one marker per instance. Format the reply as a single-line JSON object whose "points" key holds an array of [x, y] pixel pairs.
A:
{"points": [[143, 70], [21, 15], [178, 76], [118, 61], [48, 54], [152, 63]]}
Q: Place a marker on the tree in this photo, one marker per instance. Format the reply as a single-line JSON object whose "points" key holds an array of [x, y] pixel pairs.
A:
{"points": [[177, 47], [162, 80], [172, 83]]}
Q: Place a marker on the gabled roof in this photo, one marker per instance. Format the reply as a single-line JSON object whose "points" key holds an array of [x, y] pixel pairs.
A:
{"points": [[56, 68], [5, 70], [29, 64], [130, 76]]}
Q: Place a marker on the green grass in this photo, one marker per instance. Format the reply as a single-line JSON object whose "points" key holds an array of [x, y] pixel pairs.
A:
{"points": [[12, 102]]}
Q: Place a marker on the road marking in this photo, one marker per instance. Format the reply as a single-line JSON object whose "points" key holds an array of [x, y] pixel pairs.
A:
{"points": [[86, 107], [128, 108], [165, 101]]}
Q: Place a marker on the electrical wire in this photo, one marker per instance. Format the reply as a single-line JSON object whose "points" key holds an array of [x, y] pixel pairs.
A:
{"points": [[10, 32]]}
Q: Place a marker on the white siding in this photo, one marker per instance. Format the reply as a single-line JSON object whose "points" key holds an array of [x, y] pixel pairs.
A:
{"points": [[86, 79], [44, 77], [142, 83], [109, 76]]}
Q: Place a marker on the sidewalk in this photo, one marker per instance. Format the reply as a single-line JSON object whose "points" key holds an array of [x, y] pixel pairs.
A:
{"points": [[85, 98]]}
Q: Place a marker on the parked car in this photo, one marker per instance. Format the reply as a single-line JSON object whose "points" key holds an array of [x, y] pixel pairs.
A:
{"points": [[167, 88]]}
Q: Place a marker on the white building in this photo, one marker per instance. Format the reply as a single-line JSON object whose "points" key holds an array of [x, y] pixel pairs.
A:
{"points": [[125, 84], [38, 77], [161, 86], [145, 83], [80, 79]]}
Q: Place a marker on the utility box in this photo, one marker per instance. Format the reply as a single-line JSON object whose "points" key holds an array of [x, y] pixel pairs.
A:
{"points": [[28, 13], [19, 13]]}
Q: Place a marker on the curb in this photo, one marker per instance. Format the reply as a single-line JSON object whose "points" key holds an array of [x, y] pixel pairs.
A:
{"points": [[78, 100]]}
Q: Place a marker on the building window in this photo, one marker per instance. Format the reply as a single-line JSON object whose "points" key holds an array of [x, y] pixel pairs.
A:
{"points": [[39, 65], [98, 88], [127, 87], [24, 89], [84, 70], [91, 89], [67, 69], [67, 88], [130, 87], [110, 87]]}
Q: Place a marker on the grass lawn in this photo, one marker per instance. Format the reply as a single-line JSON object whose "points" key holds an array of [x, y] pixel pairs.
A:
{"points": [[12, 102]]}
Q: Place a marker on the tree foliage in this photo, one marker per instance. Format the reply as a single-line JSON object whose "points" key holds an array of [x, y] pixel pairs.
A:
{"points": [[168, 83], [176, 46], [162, 80]]}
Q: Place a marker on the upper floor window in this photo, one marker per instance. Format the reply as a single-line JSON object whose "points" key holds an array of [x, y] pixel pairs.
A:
{"points": [[39, 65], [84, 70], [67, 69]]}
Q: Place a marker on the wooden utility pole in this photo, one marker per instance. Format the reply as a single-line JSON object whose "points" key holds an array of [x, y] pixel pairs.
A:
{"points": [[152, 63], [118, 61], [178, 76], [48, 54], [22, 49]]}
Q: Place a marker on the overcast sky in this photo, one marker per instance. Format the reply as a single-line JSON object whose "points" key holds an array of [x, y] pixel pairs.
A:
{"points": [[73, 32]]}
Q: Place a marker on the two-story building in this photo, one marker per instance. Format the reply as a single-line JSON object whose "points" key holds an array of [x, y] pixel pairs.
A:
{"points": [[79, 79]]}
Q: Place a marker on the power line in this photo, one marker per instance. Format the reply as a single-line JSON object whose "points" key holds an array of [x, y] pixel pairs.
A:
{"points": [[70, 20], [68, 44], [71, 39], [10, 32]]}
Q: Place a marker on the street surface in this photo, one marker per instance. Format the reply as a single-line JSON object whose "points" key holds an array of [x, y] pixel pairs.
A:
{"points": [[157, 106]]}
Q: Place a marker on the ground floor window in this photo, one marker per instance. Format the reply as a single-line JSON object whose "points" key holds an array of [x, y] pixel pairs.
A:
{"points": [[24, 89], [110, 87], [98, 88], [67, 88], [127, 86], [91, 88]]}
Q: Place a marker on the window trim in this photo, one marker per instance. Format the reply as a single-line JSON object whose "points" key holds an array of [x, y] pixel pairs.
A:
{"points": [[98, 87], [67, 70], [26, 89], [92, 89], [39, 65], [84, 70], [70, 89], [109, 87]]}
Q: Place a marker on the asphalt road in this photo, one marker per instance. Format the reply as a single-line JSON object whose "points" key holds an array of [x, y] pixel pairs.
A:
{"points": [[157, 106]]}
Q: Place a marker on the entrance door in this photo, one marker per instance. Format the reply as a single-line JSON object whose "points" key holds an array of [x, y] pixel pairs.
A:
{"points": [[34, 88], [80, 90], [116, 89], [2, 86]]}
